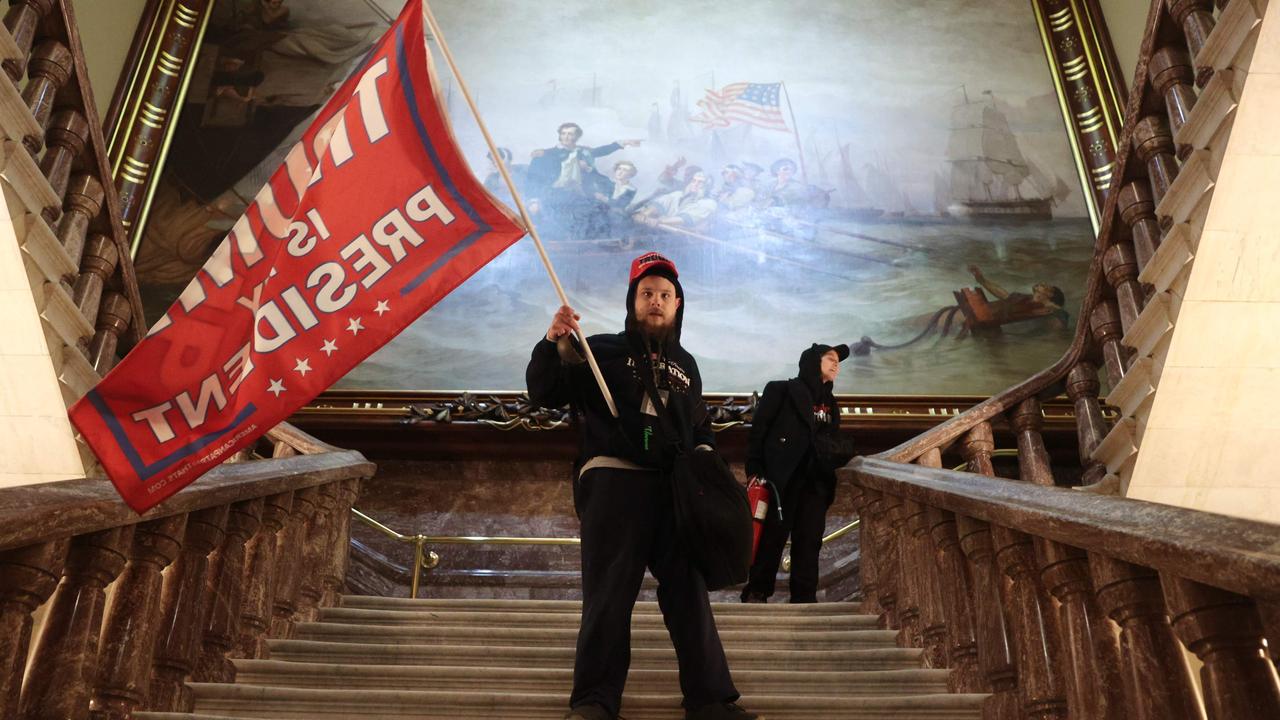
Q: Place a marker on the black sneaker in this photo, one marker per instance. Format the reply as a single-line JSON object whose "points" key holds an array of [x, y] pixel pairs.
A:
{"points": [[721, 711], [588, 712], [754, 598]]}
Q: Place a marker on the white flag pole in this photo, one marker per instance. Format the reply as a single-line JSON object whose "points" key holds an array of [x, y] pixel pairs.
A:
{"points": [[515, 194]]}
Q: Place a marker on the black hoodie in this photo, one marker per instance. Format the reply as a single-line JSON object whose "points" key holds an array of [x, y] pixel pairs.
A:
{"points": [[796, 427], [635, 436]]}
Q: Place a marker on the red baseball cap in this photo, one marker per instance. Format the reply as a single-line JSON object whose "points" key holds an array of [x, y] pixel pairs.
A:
{"points": [[650, 262]]}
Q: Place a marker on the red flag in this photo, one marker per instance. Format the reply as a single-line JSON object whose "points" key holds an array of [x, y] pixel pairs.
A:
{"points": [[372, 219]]}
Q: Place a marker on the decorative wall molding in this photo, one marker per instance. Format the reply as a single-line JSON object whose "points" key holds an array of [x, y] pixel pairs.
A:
{"points": [[151, 104], [863, 415], [1090, 91]]}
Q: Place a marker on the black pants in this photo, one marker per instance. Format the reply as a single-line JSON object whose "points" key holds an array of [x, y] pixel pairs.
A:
{"points": [[804, 516], [627, 526]]}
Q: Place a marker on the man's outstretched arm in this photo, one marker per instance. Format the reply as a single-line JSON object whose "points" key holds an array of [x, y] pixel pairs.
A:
{"points": [[990, 287]]}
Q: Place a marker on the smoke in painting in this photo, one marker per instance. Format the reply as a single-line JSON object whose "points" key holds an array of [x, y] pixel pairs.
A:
{"points": [[896, 176]]}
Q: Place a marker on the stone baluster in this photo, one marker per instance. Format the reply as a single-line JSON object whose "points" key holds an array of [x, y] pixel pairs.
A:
{"points": [[315, 551], [260, 578], [27, 577], [955, 589], [1122, 273], [51, 67], [100, 259], [1196, 19], [1089, 654], [1028, 607], [289, 560], [1031, 617], [919, 550], [84, 200], [977, 447], [1171, 76], [336, 573], [1091, 427], [1027, 420], [996, 656], [185, 602], [909, 628], [65, 660], [1224, 630], [22, 20], [932, 615], [1153, 144], [1138, 210], [1155, 678], [866, 554], [114, 316], [129, 633], [68, 133], [885, 560], [226, 593], [1091, 645], [1104, 321]]}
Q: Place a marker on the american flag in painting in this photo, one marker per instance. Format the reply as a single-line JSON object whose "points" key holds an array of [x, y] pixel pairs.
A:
{"points": [[751, 103]]}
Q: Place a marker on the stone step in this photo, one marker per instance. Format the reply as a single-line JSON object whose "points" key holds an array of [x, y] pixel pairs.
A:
{"points": [[663, 657], [246, 701], [276, 673], [725, 619], [784, 638], [147, 715], [515, 591], [836, 609]]}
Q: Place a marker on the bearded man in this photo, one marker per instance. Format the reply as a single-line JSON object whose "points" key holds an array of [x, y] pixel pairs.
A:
{"points": [[622, 494]]}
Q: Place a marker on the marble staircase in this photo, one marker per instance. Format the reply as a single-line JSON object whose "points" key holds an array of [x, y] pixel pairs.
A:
{"points": [[375, 657]]}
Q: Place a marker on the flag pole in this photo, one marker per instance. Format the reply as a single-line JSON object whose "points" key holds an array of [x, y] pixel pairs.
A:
{"points": [[515, 194], [795, 132]]}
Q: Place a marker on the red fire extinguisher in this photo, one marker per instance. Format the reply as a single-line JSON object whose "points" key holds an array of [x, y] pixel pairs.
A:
{"points": [[758, 498]]}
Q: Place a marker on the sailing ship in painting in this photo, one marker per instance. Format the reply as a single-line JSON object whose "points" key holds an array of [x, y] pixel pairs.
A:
{"points": [[990, 178]]}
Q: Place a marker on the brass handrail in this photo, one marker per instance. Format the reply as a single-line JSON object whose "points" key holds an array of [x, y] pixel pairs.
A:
{"points": [[428, 559], [834, 535], [421, 559], [841, 532]]}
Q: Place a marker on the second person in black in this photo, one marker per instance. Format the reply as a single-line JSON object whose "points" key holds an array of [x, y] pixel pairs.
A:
{"points": [[795, 445]]}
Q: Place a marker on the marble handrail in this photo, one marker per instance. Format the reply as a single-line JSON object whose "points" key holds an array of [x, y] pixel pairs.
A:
{"points": [[244, 554], [1031, 578], [37, 513], [1233, 553]]}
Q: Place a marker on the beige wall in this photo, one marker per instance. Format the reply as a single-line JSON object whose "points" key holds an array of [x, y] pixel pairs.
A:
{"points": [[1126, 21], [106, 31], [37, 442], [1211, 437]]}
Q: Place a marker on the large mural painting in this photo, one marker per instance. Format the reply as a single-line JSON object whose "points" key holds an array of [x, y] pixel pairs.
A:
{"points": [[892, 175]]}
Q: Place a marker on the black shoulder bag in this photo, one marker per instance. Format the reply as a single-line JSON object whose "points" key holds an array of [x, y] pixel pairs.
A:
{"points": [[713, 517]]}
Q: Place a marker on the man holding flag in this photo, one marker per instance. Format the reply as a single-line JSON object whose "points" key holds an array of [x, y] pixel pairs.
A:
{"points": [[372, 219], [622, 493]]}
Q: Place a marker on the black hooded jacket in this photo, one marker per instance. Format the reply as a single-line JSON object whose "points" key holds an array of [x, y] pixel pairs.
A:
{"points": [[787, 431], [634, 436]]}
